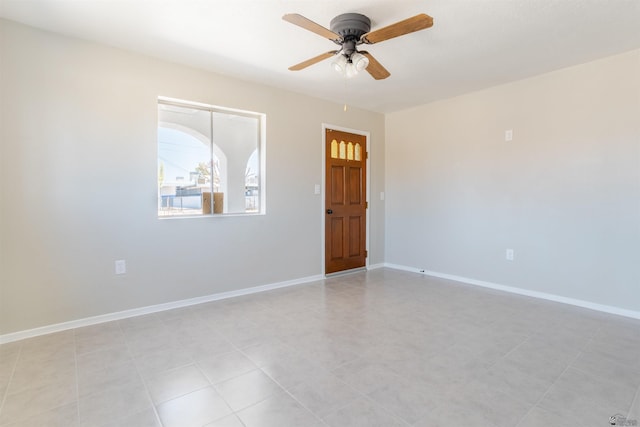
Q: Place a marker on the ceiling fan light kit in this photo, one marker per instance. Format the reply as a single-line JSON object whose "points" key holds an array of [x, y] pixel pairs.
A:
{"points": [[350, 30], [350, 66]]}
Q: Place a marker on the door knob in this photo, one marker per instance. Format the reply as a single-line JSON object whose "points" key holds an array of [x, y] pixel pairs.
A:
{"points": [[329, 211]]}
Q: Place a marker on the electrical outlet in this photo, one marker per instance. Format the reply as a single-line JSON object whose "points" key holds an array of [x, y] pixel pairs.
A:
{"points": [[509, 255], [508, 135], [121, 266]]}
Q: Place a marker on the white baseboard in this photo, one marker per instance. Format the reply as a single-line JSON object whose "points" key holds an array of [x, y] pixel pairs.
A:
{"points": [[88, 321], [58, 327], [520, 291], [354, 270]]}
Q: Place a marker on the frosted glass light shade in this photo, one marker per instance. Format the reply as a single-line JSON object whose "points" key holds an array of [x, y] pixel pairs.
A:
{"points": [[339, 64], [360, 62], [350, 70]]}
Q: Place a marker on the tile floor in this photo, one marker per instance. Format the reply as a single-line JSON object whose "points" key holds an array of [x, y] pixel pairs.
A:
{"points": [[380, 348]]}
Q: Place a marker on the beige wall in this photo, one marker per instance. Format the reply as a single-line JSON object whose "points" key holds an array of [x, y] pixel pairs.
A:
{"points": [[564, 194], [78, 174]]}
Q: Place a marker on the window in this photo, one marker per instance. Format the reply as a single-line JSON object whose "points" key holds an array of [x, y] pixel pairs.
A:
{"points": [[210, 160], [352, 152]]}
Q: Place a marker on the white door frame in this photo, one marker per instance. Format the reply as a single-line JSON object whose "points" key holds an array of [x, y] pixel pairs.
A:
{"points": [[367, 135]]}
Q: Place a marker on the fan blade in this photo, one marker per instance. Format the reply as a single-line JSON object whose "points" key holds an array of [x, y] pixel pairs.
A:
{"points": [[307, 24], [312, 61], [375, 68], [416, 23]]}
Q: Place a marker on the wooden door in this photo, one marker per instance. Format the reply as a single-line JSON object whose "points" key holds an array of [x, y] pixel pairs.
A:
{"points": [[345, 201]]}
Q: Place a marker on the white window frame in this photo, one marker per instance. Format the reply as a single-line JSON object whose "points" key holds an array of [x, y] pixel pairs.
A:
{"points": [[261, 149]]}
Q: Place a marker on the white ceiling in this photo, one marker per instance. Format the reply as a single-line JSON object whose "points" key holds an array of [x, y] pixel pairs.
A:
{"points": [[473, 44]]}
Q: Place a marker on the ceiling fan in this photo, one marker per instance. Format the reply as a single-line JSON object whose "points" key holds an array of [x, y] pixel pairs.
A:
{"points": [[349, 31]]}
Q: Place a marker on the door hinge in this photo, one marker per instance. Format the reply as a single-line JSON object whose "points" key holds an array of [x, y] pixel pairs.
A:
{"points": [[366, 205], [366, 254]]}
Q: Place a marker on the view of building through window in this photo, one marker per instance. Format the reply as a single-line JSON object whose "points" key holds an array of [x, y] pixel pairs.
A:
{"points": [[209, 160]]}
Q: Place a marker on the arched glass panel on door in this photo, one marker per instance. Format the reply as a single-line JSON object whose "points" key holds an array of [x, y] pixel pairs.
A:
{"points": [[358, 152], [350, 151], [343, 150], [334, 149]]}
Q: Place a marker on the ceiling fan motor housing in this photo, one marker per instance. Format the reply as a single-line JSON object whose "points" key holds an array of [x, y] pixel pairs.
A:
{"points": [[351, 26]]}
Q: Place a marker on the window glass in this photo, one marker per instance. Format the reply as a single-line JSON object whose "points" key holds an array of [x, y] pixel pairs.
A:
{"points": [[209, 160], [358, 155]]}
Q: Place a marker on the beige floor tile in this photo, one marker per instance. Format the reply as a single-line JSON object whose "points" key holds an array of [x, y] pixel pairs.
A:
{"points": [[607, 368], [230, 421], [90, 382], [277, 411], [47, 356], [363, 413], [188, 312], [115, 355], [373, 348], [247, 389], [194, 409], [11, 349], [269, 352], [98, 337], [293, 369], [34, 401], [8, 359], [64, 416], [510, 379], [539, 417], [49, 342], [540, 360], [203, 348], [585, 398], [634, 412], [621, 350], [618, 328], [97, 329], [144, 341], [462, 409], [188, 324], [487, 405], [50, 358], [330, 355], [324, 395], [243, 336], [164, 359], [115, 401], [3, 390], [225, 366], [408, 400], [145, 418], [60, 373], [140, 322], [176, 382]]}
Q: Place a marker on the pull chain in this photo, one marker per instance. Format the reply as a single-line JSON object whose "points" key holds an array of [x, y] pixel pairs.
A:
{"points": [[345, 94]]}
